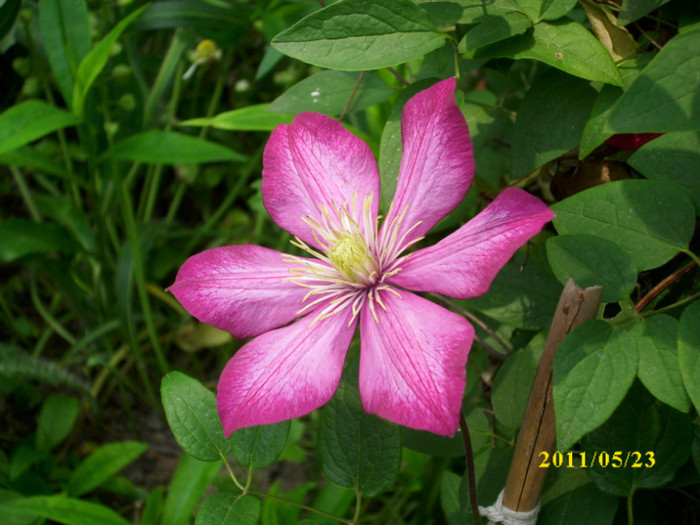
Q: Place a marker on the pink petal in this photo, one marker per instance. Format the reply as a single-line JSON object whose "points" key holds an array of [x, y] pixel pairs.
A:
{"points": [[242, 289], [316, 162], [465, 262], [437, 166], [412, 363], [284, 373]]}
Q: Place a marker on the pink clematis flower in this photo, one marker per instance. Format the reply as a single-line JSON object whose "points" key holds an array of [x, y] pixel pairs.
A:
{"points": [[320, 183]]}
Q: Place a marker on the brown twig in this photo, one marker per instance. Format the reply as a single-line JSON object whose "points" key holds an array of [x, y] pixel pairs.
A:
{"points": [[471, 476], [352, 95], [399, 77], [668, 281]]}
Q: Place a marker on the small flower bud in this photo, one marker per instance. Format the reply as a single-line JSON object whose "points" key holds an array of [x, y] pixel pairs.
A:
{"points": [[111, 128], [22, 66], [121, 72], [127, 102], [31, 87]]}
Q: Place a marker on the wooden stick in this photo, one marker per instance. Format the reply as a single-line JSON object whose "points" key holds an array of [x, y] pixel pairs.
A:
{"points": [[538, 433]]}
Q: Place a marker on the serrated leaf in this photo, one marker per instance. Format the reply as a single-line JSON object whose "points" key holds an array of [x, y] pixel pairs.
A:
{"points": [[359, 35], [540, 136], [592, 261], [191, 413], [689, 351], [524, 294], [227, 508], [102, 464], [491, 29], [357, 449], [256, 447], [56, 420], [593, 369], [168, 147], [666, 95], [187, 487], [513, 383], [250, 118], [659, 368], [31, 120], [96, 59], [640, 425], [564, 44], [674, 158], [649, 220], [65, 510], [328, 92]]}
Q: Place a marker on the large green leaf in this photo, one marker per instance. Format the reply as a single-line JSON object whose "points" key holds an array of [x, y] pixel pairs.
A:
{"points": [[226, 508], [591, 261], [550, 120], [65, 29], [65, 510], [168, 147], [659, 367], [187, 487], [358, 35], [31, 120], [329, 92], [250, 118], [649, 220], [8, 14], [666, 95], [102, 464], [96, 60], [593, 369], [357, 449], [583, 505], [654, 441], [491, 29], [635, 9], [256, 447], [191, 412], [689, 351], [566, 45], [674, 158]]}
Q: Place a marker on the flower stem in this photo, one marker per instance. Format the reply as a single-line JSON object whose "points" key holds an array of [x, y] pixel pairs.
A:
{"points": [[358, 506], [244, 490], [469, 456]]}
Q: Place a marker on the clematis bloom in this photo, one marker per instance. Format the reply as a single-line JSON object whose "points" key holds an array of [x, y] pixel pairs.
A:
{"points": [[320, 183]]}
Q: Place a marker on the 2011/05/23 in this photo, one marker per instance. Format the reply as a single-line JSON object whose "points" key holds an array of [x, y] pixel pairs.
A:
{"points": [[618, 459]]}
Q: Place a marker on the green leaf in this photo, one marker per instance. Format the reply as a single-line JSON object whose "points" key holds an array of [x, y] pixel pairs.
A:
{"points": [[689, 351], [524, 294], [591, 261], [553, 9], [227, 508], [635, 9], [102, 464], [56, 420], [284, 511], [513, 383], [674, 158], [581, 506], [96, 60], [187, 487], [357, 449], [20, 237], [257, 447], [659, 368], [358, 35], [566, 45], [34, 160], [191, 413], [200, 14], [492, 28], [666, 95], [593, 369], [451, 499], [153, 508], [250, 118], [640, 425], [65, 510], [65, 30], [8, 14], [329, 91], [168, 147], [31, 120], [651, 221], [540, 136]]}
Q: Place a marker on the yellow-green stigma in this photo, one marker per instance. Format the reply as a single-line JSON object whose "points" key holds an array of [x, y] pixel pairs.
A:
{"points": [[350, 256]]}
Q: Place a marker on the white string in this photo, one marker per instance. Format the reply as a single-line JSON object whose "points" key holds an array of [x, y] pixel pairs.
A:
{"points": [[498, 513]]}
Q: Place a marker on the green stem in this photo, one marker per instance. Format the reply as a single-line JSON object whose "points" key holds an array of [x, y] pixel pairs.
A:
{"points": [[46, 315], [358, 506], [630, 508], [692, 256], [26, 195], [238, 484], [687, 300]]}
